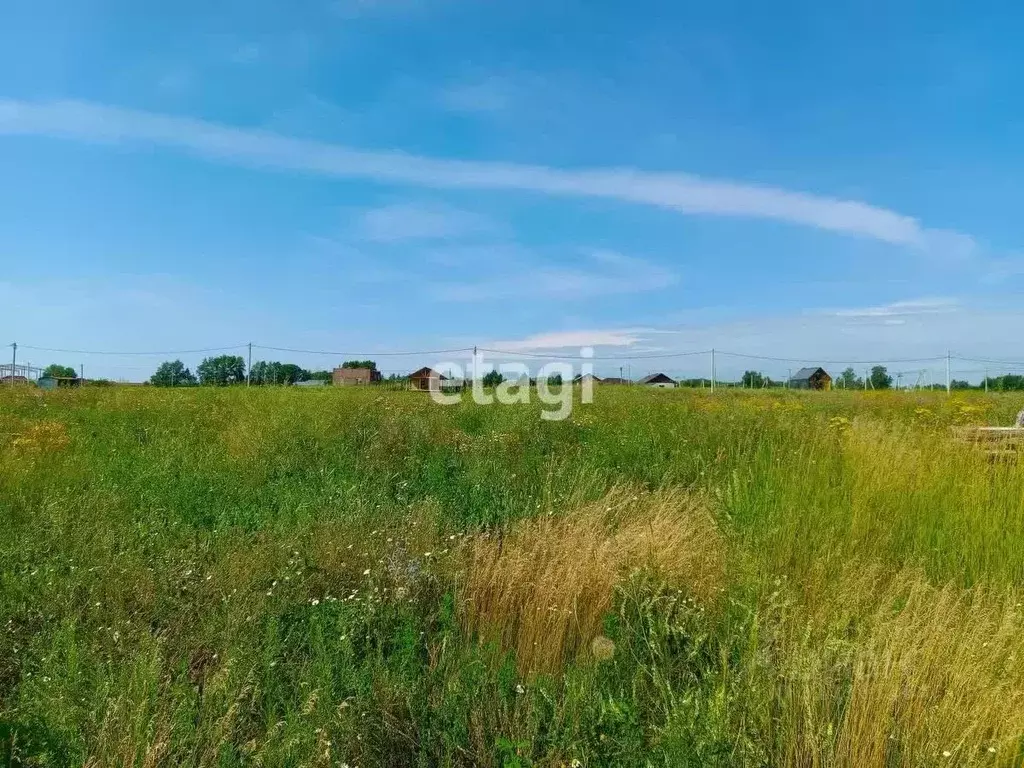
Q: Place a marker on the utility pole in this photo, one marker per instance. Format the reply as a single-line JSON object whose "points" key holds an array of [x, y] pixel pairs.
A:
{"points": [[248, 366], [81, 371], [866, 380], [948, 387], [986, 381], [789, 376], [712, 370], [14, 360]]}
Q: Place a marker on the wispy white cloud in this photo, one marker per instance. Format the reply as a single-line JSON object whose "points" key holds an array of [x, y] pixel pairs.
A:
{"points": [[175, 82], [928, 306], [602, 274], [570, 340], [246, 53], [1002, 270], [476, 97], [421, 221], [90, 122]]}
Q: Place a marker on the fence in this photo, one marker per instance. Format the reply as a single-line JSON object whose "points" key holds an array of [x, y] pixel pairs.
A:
{"points": [[17, 371]]}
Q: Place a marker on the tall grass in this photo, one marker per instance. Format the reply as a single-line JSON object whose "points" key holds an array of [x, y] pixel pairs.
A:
{"points": [[277, 577], [544, 588]]}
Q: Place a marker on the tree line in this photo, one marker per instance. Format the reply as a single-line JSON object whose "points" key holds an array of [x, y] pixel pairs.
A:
{"points": [[226, 370]]}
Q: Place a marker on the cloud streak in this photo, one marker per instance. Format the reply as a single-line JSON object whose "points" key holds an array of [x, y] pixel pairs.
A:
{"points": [[97, 123], [928, 306], [604, 273], [570, 339], [417, 221]]}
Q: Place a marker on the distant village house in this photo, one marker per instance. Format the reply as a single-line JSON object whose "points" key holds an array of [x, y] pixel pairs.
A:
{"points": [[427, 380], [345, 377], [52, 382], [658, 380], [811, 378]]}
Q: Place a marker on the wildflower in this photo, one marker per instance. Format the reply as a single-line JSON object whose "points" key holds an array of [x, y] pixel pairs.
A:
{"points": [[519, 688], [946, 753], [366, 572], [314, 602]]}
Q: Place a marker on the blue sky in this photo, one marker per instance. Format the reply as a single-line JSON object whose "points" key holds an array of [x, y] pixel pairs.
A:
{"points": [[806, 180]]}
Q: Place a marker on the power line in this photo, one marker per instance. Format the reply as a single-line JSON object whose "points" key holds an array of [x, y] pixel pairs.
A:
{"points": [[548, 356], [362, 354], [126, 354], [993, 361], [832, 362]]}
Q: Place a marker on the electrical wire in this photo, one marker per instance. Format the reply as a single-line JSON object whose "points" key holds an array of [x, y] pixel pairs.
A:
{"points": [[830, 362], [621, 357], [127, 354], [362, 354]]}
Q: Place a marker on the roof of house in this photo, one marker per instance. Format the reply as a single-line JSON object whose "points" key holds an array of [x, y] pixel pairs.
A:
{"points": [[614, 380], [427, 372], [590, 376], [656, 377], [807, 373]]}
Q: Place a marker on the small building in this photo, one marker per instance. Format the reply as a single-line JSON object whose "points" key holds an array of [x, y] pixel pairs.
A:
{"points": [[346, 377], [614, 380], [658, 380], [587, 378], [18, 379], [52, 382], [427, 380], [811, 378]]}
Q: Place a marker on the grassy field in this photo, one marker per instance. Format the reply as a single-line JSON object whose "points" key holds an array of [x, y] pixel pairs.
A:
{"points": [[280, 577]]}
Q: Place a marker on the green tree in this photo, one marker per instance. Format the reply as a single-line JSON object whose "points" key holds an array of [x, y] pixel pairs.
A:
{"points": [[172, 373], [264, 372], [60, 371], [320, 376], [1010, 382], [222, 370], [753, 380], [848, 379], [960, 384], [360, 364], [880, 378], [492, 379]]}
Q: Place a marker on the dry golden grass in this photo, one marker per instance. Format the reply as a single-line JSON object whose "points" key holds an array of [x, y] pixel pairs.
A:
{"points": [[542, 588], [930, 675], [939, 678]]}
